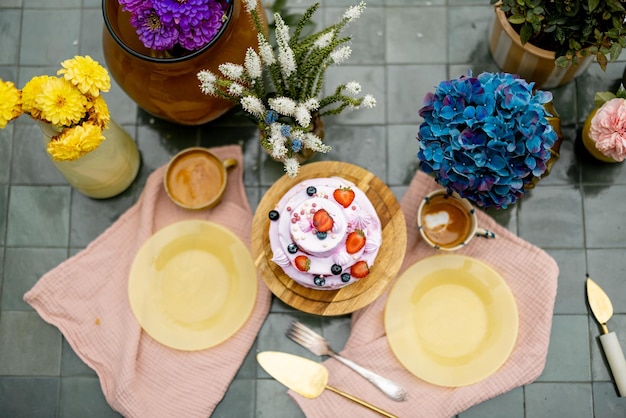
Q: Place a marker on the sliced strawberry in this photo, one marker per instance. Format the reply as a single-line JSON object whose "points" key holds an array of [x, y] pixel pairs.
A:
{"points": [[302, 263], [322, 221], [344, 196], [355, 241], [360, 269]]}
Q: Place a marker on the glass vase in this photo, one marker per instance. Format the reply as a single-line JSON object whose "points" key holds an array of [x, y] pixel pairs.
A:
{"points": [[104, 172], [168, 87]]}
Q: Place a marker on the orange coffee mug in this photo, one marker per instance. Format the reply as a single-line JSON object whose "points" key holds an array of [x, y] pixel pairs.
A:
{"points": [[196, 178]]}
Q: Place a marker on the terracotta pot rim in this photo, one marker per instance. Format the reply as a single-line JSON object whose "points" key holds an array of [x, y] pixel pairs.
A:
{"points": [[506, 25], [144, 57]]}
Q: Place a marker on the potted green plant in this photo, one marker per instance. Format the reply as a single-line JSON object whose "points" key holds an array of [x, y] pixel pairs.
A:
{"points": [[562, 36]]}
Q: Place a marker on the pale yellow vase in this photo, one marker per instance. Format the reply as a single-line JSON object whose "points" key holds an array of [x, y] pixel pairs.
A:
{"points": [[104, 172]]}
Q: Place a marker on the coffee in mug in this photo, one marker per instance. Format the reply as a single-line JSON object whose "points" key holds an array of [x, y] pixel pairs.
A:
{"points": [[448, 222], [196, 178]]}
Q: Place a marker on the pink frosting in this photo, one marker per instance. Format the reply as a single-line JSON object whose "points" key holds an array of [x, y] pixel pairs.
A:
{"points": [[608, 129]]}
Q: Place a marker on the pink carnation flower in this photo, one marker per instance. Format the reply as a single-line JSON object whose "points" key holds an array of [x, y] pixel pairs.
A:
{"points": [[608, 129]]}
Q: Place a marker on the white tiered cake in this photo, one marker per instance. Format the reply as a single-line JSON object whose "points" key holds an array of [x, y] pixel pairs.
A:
{"points": [[325, 233]]}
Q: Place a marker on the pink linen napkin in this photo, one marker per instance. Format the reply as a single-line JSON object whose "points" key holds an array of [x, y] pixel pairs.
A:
{"points": [[86, 298], [530, 273]]}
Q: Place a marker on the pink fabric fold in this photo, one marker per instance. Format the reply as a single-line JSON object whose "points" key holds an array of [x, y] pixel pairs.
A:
{"points": [[86, 297], [530, 273]]}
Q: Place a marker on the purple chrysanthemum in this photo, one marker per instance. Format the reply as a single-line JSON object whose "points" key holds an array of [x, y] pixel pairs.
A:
{"points": [[175, 11], [197, 31], [152, 32], [164, 24], [134, 6]]}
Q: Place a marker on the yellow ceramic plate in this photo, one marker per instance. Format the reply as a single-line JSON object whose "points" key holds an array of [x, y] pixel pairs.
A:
{"points": [[192, 285], [451, 320]]}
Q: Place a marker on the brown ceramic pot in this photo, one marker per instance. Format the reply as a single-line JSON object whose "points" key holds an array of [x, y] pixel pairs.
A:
{"points": [[168, 88]]}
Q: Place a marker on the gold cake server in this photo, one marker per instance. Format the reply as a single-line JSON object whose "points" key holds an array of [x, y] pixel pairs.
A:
{"points": [[306, 377], [602, 309]]}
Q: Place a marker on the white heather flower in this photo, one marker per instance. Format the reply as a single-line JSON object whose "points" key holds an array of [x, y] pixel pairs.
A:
{"points": [[314, 143], [250, 5], [354, 12], [353, 87], [298, 133], [206, 75], [312, 104], [266, 50], [208, 89], [253, 105], [276, 135], [207, 82], [252, 63], [283, 105], [286, 57], [287, 61], [279, 151], [324, 40], [291, 167], [235, 89], [368, 101], [282, 30], [340, 55], [232, 71], [302, 115], [278, 141]]}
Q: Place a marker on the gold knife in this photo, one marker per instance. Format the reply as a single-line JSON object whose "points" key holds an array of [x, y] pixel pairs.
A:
{"points": [[602, 309]]}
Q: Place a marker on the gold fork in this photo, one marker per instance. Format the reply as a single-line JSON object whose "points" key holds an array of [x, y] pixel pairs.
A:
{"points": [[318, 345]]}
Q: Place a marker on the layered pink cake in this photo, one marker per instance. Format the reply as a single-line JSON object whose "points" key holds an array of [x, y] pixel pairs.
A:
{"points": [[325, 233]]}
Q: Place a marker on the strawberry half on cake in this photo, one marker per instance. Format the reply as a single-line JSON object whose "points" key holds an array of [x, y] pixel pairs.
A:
{"points": [[325, 233]]}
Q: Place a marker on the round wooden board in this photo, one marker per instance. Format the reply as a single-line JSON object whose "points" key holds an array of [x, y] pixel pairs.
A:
{"points": [[354, 296]]}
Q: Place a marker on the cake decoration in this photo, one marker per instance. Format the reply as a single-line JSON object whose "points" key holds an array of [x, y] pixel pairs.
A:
{"points": [[325, 233], [273, 215], [344, 196]]}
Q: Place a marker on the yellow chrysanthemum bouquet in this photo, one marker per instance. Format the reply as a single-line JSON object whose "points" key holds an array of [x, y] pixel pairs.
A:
{"points": [[71, 104]]}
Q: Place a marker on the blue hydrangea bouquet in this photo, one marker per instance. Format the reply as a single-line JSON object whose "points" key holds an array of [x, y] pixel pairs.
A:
{"points": [[488, 137]]}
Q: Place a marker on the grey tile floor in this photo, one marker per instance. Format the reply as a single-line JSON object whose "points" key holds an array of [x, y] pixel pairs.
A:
{"points": [[402, 48]]}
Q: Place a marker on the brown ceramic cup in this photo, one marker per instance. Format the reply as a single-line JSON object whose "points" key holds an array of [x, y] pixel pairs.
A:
{"points": [[448, 222], [195, 178]]}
